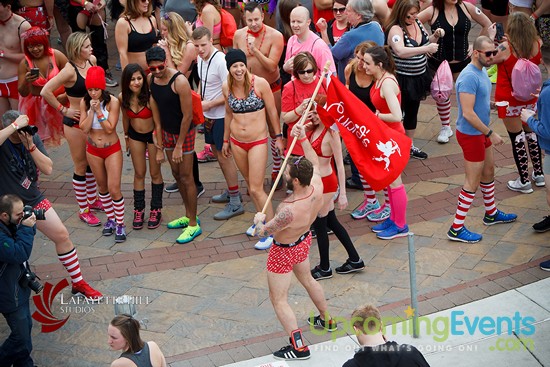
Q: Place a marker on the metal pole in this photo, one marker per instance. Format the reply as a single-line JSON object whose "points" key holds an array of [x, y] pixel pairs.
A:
{"points": [[412, 273]]}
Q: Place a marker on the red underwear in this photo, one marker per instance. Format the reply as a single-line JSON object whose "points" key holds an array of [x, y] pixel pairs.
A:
{"points": [[282, 257], [103, 152], [249, 145], [330, 183]]}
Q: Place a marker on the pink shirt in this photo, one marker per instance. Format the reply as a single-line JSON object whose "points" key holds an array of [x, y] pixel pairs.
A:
{"points": [[316, 46]]}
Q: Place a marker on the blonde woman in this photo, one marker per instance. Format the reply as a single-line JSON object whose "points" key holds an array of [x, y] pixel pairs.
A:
{"points": [[179, 48]]}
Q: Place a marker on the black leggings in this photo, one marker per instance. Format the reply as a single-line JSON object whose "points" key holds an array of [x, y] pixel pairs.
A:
{"points": [[330, 221], [410, 108]]}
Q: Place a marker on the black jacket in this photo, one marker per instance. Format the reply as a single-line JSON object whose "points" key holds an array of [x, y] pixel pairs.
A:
{"points": [[15, 248]]}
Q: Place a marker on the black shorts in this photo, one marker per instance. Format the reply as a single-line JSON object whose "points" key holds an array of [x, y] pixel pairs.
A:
{"points": [[496, 7], [456, 67], [146, 138]]}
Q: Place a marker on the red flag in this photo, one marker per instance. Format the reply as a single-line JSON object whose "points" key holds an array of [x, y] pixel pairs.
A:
{"points": [[379, 152]]}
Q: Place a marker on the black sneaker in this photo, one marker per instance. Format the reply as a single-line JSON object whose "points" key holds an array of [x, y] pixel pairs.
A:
{"points": [[417, 153], [320, 323], [545, 265], [318, 274], [109, 80], [200, 191], [543, 225], [172, 187], [289, 353], [349, 267]]}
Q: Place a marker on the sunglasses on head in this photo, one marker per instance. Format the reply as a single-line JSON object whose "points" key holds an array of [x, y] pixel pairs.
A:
{"points": [[338, 10], [308, 71], [155, 68], [488, 53]]}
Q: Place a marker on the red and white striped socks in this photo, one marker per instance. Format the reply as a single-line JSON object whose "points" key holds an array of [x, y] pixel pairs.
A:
{"points": [[79, 186], [444, 111], [71, 264], [107, 202], [91, 186], [119, 210], [465, 200], [368, 192], [488, 190]]}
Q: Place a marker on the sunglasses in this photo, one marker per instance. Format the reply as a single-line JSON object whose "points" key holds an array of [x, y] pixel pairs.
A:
{"points": [[155, 68], [488, 53], [308, 71], [338, 10]]}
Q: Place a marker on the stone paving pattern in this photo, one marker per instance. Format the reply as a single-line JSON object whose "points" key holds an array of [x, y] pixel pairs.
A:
{"points": [[208, 303]]}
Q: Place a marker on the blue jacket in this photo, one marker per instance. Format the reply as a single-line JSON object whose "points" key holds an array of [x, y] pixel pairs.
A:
{"points": [[541, 125], [343, 50], [15, 249]]}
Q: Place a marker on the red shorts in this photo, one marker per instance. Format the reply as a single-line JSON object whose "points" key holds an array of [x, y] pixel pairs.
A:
{"points": [[473, 146], [248, 145], [515, 111], [330, 183], [35, 15], [8, 88], [44, 204], [103, 152], [281, 260], [169, 141]]}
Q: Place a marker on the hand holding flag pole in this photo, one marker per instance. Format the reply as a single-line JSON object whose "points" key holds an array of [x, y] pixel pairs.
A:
{"points": [[294, 140]]}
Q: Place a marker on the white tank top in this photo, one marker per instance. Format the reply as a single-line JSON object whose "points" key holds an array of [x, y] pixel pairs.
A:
{"points": [[95, 123]]}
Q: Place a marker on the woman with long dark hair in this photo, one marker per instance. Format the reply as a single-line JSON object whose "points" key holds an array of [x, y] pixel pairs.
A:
{"points": [[141, 134], [99, 112]]}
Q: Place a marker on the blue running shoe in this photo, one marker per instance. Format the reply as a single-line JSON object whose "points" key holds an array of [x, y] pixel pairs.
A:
{"points": [[383, 226], [463, 235], [393, 232], [499, 217]]}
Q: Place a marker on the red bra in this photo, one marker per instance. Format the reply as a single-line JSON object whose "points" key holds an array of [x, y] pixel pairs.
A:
{"points": [[144, 113], [317, 144]]}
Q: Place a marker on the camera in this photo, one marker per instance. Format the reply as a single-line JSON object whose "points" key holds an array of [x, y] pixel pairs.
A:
{"points": [[28, 279], [29, 129], [39, 213]]}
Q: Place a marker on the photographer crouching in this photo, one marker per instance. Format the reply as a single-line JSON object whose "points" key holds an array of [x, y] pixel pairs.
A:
{"points": [[22, 157], [17, 230]]}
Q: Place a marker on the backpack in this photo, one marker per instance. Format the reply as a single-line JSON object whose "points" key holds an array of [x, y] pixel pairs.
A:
{"points": [[198, 115], [526, 80], [229, 27], [442, 84]]}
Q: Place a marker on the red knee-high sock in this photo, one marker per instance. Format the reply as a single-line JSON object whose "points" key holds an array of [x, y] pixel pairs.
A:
{"points": [[119, 210], [444, 111], [79, 186], [71, 264], [91, 186], [488, 190], [465, 200], [398, 199], [107, 202]]}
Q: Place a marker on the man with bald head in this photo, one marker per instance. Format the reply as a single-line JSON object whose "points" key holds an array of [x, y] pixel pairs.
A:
{"points": [[305, 40]]}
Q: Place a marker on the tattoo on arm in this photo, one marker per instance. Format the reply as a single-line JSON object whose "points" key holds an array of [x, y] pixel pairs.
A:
{"points": [[281, 220], [502, 47]]}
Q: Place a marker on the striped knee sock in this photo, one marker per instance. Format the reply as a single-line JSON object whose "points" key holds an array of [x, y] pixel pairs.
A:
{"points": [[488, 190], [444, 111], [119, 210], [465, 200], [71, 264], [368, 192], [91, 186], [79, 186], [107, 202]]}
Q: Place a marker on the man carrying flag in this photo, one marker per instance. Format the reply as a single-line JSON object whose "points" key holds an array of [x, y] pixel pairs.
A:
{"points": [[379, 152]]}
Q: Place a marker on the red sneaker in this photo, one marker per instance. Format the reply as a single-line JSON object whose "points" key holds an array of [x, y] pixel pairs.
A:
{"points": [[97, 205], [89, 218], [83, 289], [206, 155]]}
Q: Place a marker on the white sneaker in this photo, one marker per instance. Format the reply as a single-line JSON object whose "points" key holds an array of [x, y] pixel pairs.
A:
{"points": [[539, 180], [444, 134], [516, 185], [264, 243], [250, 231]]}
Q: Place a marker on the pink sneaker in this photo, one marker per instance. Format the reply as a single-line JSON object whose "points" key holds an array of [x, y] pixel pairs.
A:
{"points": [[97, 205], [206, 155], [89, 218]]}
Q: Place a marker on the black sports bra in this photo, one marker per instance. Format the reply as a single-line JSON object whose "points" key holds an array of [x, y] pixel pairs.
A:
{"points": [[141, 42], [78, 90], [251, 103]]}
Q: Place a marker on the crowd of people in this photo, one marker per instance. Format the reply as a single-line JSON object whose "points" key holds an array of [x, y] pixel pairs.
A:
{"points": [[255, 100]]}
